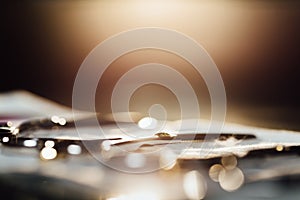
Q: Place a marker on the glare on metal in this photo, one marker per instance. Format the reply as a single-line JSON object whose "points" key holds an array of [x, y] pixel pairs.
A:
{"points": [[49, 143], [74, 149], [106, 145], [30, 143], [147, 123], [48, 153]]}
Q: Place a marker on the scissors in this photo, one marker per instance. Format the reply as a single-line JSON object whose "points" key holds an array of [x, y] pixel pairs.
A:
{"points": [[186, 145]]}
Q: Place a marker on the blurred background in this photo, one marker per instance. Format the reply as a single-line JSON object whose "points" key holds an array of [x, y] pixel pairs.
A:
{"points": [[255, 45]]}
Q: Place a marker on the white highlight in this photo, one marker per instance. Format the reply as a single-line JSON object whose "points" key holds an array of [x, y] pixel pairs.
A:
{"points": [[49, 143], [147, 123], [106, 145], [55, 119], [58, 120], [5, 139], [74, 149], [30, 143], [48, 153], [62, 121]]}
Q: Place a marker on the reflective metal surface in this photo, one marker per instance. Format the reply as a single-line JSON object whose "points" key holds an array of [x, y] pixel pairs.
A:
{"points": [[250, 164]]}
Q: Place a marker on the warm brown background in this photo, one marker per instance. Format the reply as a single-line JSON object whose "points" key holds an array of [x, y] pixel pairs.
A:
{"points": [[255, 45]]}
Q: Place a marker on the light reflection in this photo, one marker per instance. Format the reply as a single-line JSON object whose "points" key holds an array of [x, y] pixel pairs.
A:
{"points": [[9, 124], [135, 160], [5, 139], [62, 121], [49, 143], [15, 131], [147, 123], [229, 162], [106, 145], [229, 176], [106, 152], [48, 153], [231, 180], [74, 149], [279, 148], [194, 185], [59, 120], [214, 172], [30, 143], [55, 119]]}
